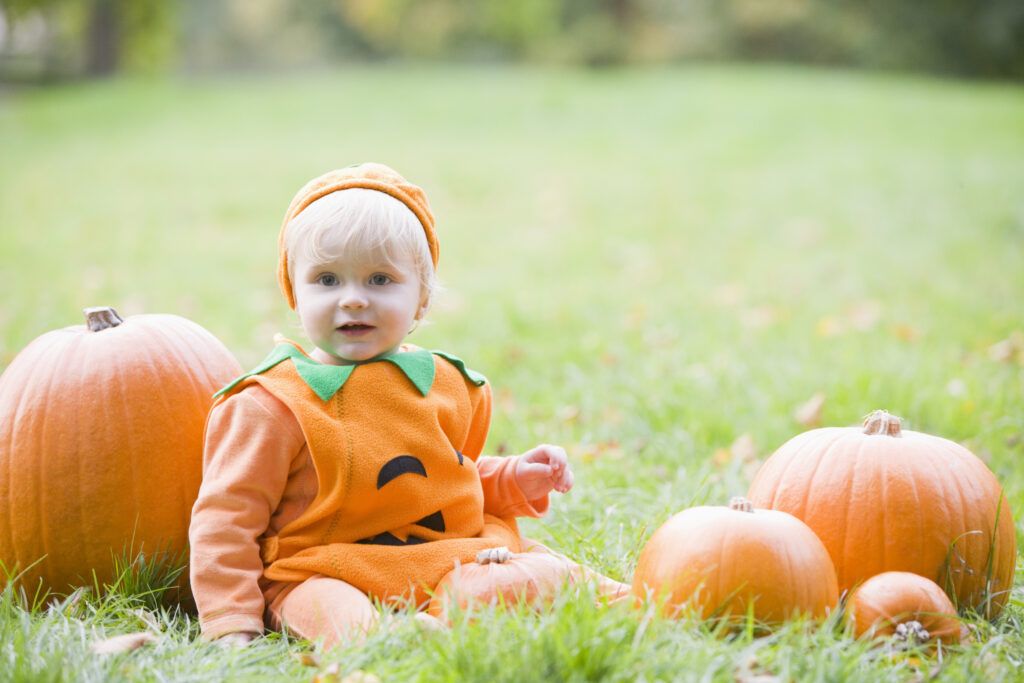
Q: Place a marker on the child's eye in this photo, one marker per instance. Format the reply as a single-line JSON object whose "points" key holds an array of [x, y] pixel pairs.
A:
{"points": [[379, 279], [327, 280]]}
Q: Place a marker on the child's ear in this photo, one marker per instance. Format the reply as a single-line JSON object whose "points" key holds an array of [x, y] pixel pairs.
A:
{"points": [[424, 306]]}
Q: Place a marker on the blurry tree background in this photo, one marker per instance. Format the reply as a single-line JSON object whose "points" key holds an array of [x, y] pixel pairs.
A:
{"points": [[57, 39]]}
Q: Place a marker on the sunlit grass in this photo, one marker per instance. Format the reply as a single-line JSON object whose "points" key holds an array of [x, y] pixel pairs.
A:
{"points": [[648, 265]]}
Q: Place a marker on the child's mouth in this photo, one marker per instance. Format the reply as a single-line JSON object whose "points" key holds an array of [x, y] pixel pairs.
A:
{"points": [[354, 329]]}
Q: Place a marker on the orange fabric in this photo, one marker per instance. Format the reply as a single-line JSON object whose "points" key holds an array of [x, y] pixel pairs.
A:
{"points": [[370, 176], [259, 478]]}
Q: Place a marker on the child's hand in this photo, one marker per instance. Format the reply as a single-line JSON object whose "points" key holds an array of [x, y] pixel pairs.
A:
{"points": [[542, 469]]}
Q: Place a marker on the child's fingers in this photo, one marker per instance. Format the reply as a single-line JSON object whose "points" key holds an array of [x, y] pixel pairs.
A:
{"points": [[536, 470]]}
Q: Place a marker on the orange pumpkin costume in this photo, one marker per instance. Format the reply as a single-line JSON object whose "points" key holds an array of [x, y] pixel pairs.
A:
{"points": [[394, 507]]}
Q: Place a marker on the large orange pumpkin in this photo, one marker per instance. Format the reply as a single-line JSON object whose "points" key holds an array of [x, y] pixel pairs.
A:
{"points": [[101, 430], [881, 604], [716, 561], [886, 499], [502, 577]]}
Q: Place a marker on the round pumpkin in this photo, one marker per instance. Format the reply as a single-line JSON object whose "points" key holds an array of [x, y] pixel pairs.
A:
{"points": [[879, 606], [101, 442], [882, 498], [502, 577], [714, 561]]}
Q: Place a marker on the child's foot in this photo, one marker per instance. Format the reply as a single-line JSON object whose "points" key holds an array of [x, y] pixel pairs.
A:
{"points": [[429, 623]]}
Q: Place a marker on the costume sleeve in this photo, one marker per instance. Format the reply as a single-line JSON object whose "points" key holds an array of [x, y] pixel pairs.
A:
{"points": [[502, 495], [251, 441]]}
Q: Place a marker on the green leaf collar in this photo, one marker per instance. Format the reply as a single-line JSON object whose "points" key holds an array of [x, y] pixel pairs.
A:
{"points": [[326, 380]]}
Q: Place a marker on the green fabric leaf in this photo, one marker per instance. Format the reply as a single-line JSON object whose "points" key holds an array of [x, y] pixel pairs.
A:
{"points": [[417, 365], [473, 376], [324, 380]]}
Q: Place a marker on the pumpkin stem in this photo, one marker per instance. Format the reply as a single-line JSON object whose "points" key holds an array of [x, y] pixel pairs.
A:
{"points": [[499, 555], [100, 318], [881, 422], [741, 504], [911, 631]]}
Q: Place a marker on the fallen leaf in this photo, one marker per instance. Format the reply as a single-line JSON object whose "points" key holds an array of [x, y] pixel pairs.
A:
{"points": [[307, 659], [830, 326], [123, 643], [589, 452], [568, 413], [636, 317], [808, 413], [905, 332], [743, 448], [722, 457], [1008, 350], [864, 316], [329, 675]]}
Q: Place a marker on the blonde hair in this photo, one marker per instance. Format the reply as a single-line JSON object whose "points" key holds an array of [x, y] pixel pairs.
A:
{"points": [[365, 223]]}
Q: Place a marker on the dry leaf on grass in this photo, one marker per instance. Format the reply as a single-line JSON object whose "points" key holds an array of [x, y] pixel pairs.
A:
{"points": [[1008, 350], [905, 332], [808, 413], [864, 315], [307, 659], [830, 326], [123, 643], [568, 413], [742, 450]]}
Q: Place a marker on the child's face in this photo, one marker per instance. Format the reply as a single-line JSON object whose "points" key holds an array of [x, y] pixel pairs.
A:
{"points": [[354, 309]]}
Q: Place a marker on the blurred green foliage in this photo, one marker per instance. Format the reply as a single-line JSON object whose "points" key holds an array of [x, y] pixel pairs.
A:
{"points": [[55, 38]]}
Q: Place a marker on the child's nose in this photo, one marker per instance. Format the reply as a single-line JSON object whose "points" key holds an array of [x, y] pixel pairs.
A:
{"points": [[352, 298]]}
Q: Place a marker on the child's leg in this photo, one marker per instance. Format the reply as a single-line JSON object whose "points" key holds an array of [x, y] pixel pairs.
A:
{"points": [[323, 608], [608, 589]]}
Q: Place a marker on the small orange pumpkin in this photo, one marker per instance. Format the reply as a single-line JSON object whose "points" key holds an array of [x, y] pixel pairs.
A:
{"points": [[502, 577], [717, 561], [904, 605], [882, 498], [101, 442]]}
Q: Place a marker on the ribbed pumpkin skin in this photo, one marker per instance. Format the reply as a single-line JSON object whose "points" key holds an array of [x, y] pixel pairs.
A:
{"points": [[895, 503], [718, 560], [890, 598], [101, 441], [533, 578]]}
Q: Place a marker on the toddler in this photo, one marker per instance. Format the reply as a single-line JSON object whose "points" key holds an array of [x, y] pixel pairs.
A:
{"points": [[354, 472]]}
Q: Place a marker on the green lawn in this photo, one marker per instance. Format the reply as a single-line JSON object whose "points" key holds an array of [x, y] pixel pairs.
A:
{"points": [[648, 265]]}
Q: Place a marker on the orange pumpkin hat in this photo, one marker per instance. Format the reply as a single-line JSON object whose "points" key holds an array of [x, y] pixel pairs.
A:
{"points": [[368, 176]]}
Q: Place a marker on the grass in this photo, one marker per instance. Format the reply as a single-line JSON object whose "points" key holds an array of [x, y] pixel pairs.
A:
{"points": [[650, 266]]}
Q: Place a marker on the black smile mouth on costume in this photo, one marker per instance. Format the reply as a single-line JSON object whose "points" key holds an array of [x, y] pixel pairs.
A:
{"points": [[396, 467], [392, 469]]}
